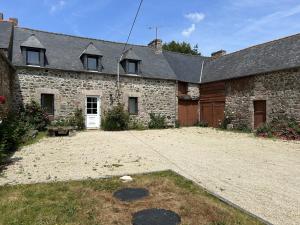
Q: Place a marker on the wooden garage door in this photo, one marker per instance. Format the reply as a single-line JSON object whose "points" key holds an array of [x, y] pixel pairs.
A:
{"points": [[212, 113], [188, 112], [259, 113]]}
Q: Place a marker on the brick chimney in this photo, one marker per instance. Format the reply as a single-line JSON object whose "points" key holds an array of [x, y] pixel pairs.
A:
{"points": [[14, 21], [218, 54], [156, 44]]}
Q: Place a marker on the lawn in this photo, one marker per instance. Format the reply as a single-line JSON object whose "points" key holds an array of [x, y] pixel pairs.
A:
{"points": [[91, 202]]}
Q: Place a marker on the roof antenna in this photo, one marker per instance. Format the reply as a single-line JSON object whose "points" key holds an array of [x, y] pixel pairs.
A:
{"points": [[156, 31]]}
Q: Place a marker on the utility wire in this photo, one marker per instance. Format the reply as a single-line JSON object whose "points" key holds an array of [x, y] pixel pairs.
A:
{"points": [[136, 15]]}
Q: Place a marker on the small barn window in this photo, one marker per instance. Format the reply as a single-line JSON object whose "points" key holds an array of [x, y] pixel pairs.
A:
{"points": [[47, 103], [133, 105]]}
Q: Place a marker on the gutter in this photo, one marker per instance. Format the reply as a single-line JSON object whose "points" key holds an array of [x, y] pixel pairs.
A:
{"points": [[201, 71]]}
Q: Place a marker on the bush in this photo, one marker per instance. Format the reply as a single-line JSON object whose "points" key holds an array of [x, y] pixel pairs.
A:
{"points": [[116, 119], [35, 115], [134, 124], [282, 127], [12, 133], [157, 121], [177, 124], [202, 124], [77, 120], [243, 128]]}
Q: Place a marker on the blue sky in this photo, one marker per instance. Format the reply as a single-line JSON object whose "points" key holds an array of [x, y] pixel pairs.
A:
{"points": [[212, 24]]}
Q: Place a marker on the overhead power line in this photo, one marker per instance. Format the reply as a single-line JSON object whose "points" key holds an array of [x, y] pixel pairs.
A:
{"points": [[136, 15]]}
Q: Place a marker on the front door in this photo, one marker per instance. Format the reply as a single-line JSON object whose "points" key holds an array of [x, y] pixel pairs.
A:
{"points": [[92, 112], [259, 113]]}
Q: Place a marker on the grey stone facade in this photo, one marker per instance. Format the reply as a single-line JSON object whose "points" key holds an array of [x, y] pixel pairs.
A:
{"points": [[6, 83], [71, 88], [193, 91], [280, 90]]}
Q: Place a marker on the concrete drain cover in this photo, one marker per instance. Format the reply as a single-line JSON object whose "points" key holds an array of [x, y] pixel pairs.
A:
{"points": [[131, 194], [156, 217]]}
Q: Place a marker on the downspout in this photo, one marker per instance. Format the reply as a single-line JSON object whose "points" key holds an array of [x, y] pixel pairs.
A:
{"points": [[201, 74], [118, 76]]}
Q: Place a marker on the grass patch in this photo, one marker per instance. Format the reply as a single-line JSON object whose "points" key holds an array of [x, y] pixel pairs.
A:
{"points": [[91, 202], [39, 136]]}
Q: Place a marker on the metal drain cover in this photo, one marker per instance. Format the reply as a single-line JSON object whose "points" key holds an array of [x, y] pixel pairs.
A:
{"points": [[131, 194], [156, 217]]}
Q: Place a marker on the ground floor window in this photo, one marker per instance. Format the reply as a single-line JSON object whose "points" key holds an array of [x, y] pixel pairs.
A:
{"points": [[47, 103], [133, 105]]}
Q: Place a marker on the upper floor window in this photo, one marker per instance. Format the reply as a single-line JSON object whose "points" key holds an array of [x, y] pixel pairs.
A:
{"points": [[132, 67], [33, 57], [92, 63], [182, 88]]}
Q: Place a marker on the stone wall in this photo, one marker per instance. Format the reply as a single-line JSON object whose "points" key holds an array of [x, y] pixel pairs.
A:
{"points": [[6, 83], [71, 88], [193, 91], [281, 90]]}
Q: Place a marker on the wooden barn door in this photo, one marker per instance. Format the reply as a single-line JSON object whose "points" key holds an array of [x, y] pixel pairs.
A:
{"points": [[259, 113], [212, 113], [188, 112]]}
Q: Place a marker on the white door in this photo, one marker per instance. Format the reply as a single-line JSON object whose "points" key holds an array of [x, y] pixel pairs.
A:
{"points": [[92, 112]]}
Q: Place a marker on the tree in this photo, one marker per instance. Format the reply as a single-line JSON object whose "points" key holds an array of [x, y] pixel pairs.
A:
{"points": [[182, 47]]}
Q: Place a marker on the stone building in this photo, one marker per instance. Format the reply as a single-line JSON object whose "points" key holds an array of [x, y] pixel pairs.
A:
{"points": [[6, 84], [65, 72]]}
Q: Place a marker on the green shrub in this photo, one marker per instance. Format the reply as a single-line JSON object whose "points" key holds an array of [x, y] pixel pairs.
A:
{"points": [[12, 133], [77, 120], [202, 124], [157, 121], [35, 115], [116, 119], [243, 128], [282, 127], [134, 124], [177, 124]]}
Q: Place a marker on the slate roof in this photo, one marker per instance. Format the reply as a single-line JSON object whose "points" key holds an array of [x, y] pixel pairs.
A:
{"points": [[186, 67], [5, 34], [130, 54], [92, 50], [64, 51], [32, 42], [275, 55]]}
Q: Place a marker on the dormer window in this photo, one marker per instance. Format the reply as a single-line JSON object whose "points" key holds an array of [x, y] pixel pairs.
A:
{"points": [[91, 58], [33, 57], [132, 67], [131, 62], [92, 63], [33, 52]]}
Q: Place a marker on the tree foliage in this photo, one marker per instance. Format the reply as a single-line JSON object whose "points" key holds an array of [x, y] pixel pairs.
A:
{"points": [[182, 47]]}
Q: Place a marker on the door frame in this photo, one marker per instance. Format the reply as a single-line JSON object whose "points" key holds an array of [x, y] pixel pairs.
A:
{"points": [[98, 111]]}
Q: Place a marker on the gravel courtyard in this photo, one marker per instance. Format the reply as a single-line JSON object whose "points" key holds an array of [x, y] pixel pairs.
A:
{"points": [[262, 176]]}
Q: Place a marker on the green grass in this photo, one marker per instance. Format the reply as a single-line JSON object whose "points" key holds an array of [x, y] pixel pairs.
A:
{"points": [[40, 136], [91, 202]]}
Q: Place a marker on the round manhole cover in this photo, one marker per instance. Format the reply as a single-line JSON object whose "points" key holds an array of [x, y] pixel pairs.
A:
{"points": [[131, 194], [156, 217]]}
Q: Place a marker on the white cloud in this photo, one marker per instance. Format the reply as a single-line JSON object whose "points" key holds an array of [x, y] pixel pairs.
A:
{"points": [[187, 32], [57, 6], [271, 18], [195, 17]]}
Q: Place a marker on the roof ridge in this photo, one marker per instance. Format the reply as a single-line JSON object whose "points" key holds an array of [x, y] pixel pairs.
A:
{"points": [[185, 54], [261, 44], [81, 37]]}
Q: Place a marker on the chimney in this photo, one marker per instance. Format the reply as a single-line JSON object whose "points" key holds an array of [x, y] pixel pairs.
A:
{"points": [[156, 44], [218, 54], [14, 21], [1, 16]]}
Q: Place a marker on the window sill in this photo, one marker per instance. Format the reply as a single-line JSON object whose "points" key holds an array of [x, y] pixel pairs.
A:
{"points": [[36, 66], [132, 75]]}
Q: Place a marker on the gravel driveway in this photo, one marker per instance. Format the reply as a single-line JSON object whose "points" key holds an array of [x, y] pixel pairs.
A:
{"points": [[262, 176]]}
